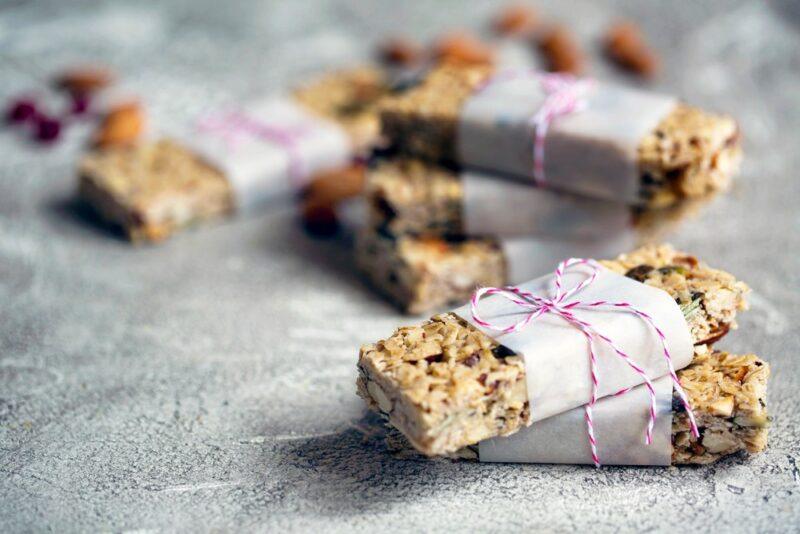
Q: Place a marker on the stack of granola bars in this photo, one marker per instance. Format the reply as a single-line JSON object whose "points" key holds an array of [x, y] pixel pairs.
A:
{"points": [[445, 385], [450, 206]]}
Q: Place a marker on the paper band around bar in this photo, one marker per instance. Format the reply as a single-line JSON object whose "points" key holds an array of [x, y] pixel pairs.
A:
{"points": [[618, 422], [269, 149], [556, 353], [509, 208], [593, 152]]}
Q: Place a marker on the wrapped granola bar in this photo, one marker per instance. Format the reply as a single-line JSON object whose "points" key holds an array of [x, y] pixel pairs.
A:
{"points": [[579, 136], [447, 384], [235, 161]]}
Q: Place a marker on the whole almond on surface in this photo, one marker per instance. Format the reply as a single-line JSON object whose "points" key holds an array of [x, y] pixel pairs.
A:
{"points": [[85, 79], [516, 20], [336, 185], [122, 125], [625, 45], [561, 51], [462, 48], [400, 51]]}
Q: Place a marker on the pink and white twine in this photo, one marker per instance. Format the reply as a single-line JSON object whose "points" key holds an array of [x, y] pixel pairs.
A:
{"points": [[564, 95], [562, 306], [234, 126]]}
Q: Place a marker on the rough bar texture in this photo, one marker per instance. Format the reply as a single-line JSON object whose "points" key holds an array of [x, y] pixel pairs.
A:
{"points": [[154, 189], [728, 394], [709, 298], [689, 154], [350, 98], [436, 383], [444, 385], [412, 196], [420, 274]]}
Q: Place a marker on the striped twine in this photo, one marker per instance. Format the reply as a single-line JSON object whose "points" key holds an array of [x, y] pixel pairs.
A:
{"points": [[561, 306]]}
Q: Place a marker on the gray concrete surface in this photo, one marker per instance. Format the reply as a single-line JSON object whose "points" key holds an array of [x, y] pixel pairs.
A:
{"points": [[207, 384]]}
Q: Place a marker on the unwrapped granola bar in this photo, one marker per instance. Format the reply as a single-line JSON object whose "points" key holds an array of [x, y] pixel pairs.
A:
{"points": [[157, 187], [411, 196], [688, 153], [728, 395], [445, 385]]}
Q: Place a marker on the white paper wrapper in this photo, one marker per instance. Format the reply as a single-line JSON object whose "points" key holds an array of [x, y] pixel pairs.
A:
{"points": [[259, 169], [508, 208], [619, 424], [592, 152], [556, 353]]}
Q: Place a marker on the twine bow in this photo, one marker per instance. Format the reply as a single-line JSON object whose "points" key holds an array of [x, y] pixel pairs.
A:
{"points": [[564, 95], [562, 305]]}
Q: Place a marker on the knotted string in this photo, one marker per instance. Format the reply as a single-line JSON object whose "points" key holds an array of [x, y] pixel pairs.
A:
{"points": [[564, 95], [561, 305], [234, 126]]}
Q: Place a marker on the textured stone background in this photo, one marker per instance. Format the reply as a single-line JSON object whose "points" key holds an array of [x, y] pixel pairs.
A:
{"points": [[208, 383]]}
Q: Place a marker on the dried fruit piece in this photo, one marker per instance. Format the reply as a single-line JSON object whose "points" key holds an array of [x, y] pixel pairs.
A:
{"points": [[337, 185], [462, 48], [516, 20], [319, 218], [626, 46], [400, 51], [121, 126], [85, 79], [47, 128], [80, 103], [561, 51], [21, 110]]}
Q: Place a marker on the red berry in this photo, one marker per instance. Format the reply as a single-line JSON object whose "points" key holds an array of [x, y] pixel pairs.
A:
{"points": [[47, 129], [21, 110], [80, 103]]}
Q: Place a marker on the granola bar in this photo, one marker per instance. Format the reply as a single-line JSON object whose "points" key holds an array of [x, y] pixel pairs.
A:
{"points": [[445, 385], [689, 154], [421, 273], [728, 395], [157, 187], [413, 196]]}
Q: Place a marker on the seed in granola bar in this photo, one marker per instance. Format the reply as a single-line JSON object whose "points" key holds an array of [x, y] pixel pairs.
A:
{"points": [[640, 272], [472, 361], [501, 351]]}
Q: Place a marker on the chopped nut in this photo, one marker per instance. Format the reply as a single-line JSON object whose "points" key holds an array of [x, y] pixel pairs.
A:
{"points": [[561, 51], [122, 125], [379, 397], [723, 407], [84, 80], [462, 48], [400, 51], [626, 46], [516, 20]]}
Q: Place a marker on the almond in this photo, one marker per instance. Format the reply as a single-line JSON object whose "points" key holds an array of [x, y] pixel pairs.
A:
{"points": [[122, 125], [516, 20], [561, 51], [462, 48], [84, 80], [625, 45], [400, 51], [337, 185]]}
